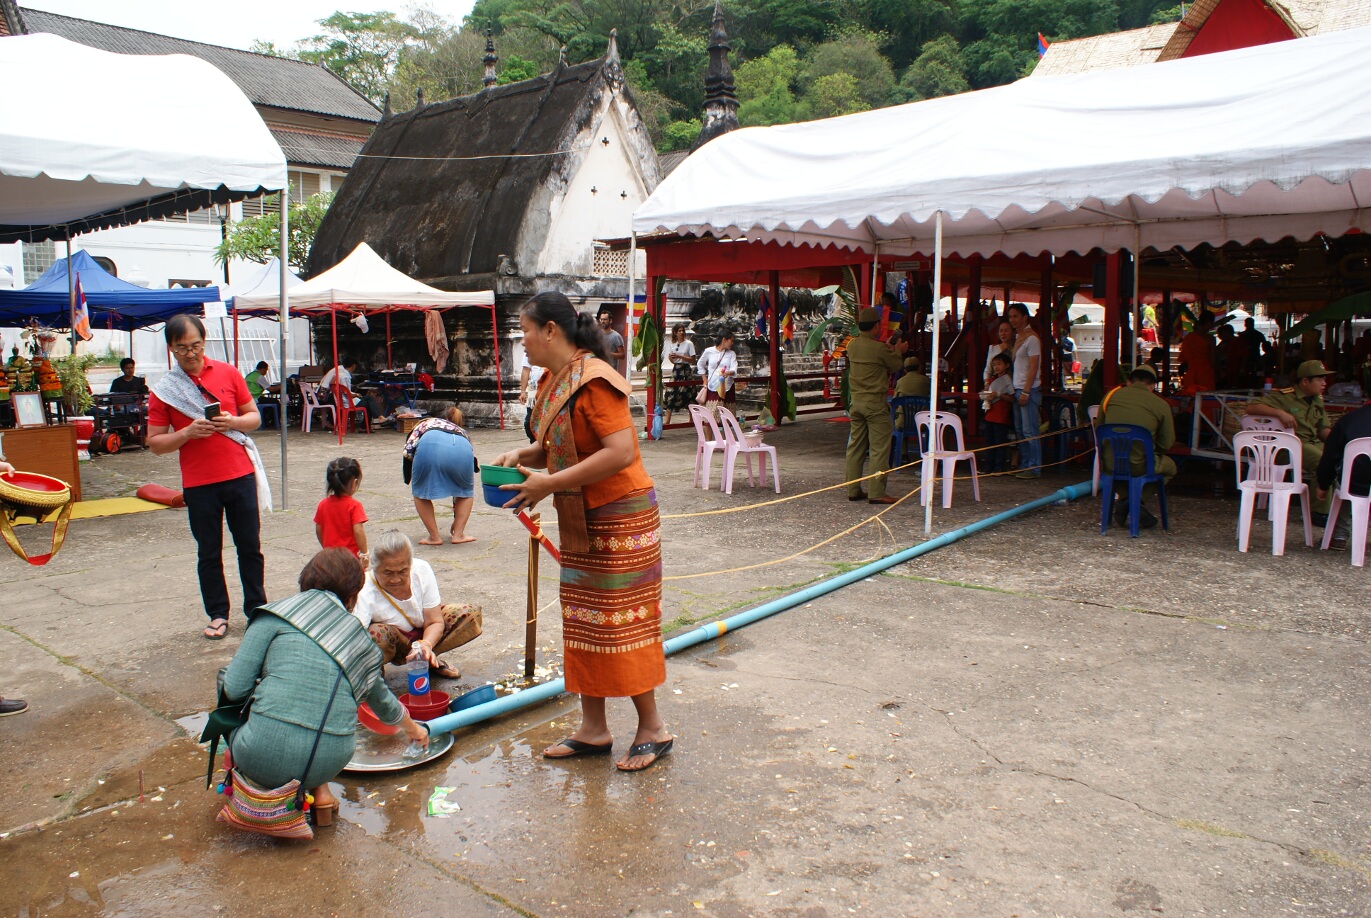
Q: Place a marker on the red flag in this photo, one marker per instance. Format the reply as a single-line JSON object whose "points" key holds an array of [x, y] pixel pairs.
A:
{"points": [[80, 315]]}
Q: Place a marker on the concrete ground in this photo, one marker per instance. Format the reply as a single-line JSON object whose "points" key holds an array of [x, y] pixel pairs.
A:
{"points": [[1036, 720]]}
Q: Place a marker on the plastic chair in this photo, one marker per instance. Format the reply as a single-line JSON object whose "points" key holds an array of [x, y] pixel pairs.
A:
{"points": [[736, 445], [1093, 412], [902, 411], [1061, 419], [1359, 506], [1261, 450], [351, 409], [935, 425], [312, 404], [1121, 438], [708, 439], [272, 410], [1261, 422]]}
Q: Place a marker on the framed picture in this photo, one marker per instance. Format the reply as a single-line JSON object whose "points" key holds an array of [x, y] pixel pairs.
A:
{"points": [[28, 409]]}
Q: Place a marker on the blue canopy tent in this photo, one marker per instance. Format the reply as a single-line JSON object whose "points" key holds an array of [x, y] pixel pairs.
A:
{"points": [[113, 303]]}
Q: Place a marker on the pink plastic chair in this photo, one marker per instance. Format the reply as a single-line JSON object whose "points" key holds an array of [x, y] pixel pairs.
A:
{"points": [[933, 427], [738, 446], [1359, 506], [1261, 422], [708, 439], [310, 396], [1260, 450]]}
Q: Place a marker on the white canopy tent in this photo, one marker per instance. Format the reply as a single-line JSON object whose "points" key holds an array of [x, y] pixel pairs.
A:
{"points": [[363, 283], [1263, 142], [168, 134]]}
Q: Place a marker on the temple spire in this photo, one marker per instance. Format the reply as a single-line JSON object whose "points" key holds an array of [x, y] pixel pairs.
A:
{"points": [[721, 102], [490, 60]]}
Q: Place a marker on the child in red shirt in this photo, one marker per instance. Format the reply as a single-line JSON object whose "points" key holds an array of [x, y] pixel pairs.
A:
{"points": [[339, 518]]}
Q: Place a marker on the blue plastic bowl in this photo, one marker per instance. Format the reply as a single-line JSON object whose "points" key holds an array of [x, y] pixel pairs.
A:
{"points": [[472, 698], [494, 496]]}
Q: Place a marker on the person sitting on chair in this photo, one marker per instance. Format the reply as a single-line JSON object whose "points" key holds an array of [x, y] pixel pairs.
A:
{"points": [[1136, 403], [344, 397], [258, 383]]}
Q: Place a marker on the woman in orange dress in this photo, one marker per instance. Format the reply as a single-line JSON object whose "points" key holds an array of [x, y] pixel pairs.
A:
{"points": [[607, 523]]}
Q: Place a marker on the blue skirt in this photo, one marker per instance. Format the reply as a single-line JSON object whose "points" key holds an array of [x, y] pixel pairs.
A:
{"points": [[442, 467]]}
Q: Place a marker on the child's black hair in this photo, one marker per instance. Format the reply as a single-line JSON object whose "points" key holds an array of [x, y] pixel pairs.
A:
{"points": [[340, 475]]}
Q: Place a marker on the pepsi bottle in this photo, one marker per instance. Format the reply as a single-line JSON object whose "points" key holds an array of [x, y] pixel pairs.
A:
{"points": [[418, 678]]}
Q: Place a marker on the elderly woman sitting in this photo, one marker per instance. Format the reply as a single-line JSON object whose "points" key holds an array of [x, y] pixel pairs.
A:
{"points": [[400, 608]]}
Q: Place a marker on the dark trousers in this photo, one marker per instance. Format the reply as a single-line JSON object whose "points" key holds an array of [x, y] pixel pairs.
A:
{"points": [[996, 435], [208, 507]]}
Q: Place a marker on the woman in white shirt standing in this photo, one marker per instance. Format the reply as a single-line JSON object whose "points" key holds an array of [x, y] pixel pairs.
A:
{"points": [[401, 610], [680, 354], [718, 367]]}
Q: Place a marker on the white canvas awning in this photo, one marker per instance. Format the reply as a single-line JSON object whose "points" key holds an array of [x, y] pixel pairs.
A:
{"points": [[1263, 142], [364, 280], [117, 138]]}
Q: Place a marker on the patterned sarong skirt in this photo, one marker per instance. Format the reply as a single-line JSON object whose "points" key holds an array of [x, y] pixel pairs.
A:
{"points": [[612, 602]]}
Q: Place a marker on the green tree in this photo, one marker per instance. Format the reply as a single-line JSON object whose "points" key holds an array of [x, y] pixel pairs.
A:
{"points": [[909, 25], [362, 48], [764, 87], [1165, 14], [938, 71], [678, 61], [259, 238], [679, 135], [855, 53], [516, 69], [835, 94]]}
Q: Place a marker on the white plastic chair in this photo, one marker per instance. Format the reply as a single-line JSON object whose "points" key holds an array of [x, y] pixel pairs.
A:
{"points": [[1262, 422], [1359, 506], [933, 426], [310, 396], [1260, 450], [1094, 413], [738, 446], [708, 439]]}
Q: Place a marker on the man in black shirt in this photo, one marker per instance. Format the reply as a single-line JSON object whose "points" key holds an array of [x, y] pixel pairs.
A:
{"points": [[128, 383], [1352, 426]]}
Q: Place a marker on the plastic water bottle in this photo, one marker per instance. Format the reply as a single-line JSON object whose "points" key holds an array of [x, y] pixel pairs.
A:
{"points": [[418, 678]]}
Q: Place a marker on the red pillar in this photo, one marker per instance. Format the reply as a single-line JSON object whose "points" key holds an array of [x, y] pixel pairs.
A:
{"points": [[1112, 306], [774, 341], [650, 308]]}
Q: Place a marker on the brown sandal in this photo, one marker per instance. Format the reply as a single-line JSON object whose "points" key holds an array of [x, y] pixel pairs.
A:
{"points": [[324, 814]]}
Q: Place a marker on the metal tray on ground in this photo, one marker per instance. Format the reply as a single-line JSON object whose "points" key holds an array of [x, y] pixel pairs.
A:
{"points": [[375, 752]]}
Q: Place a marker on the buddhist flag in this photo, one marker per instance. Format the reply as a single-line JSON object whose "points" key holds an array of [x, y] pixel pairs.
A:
{"points": [[1043, 45], [787, 320], [80, 315]]}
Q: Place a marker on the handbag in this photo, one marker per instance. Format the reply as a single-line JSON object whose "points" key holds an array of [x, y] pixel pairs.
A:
{"points": [[281, 811], [702, 396]]}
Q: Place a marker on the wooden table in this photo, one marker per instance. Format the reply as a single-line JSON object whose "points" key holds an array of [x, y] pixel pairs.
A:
{"points": [[47, 450]]}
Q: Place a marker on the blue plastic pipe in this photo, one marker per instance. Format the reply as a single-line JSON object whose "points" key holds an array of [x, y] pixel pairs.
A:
{"points": [[539, 693]]}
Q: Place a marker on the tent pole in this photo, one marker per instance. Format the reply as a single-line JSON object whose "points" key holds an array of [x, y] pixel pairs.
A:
{"points": [[882, 330], [235, 336], [774, 350], [71, 296], [339, 418], [1137, 270], [628, 322], [283, 334], [499, 382], [933, 367], [389, 365]]}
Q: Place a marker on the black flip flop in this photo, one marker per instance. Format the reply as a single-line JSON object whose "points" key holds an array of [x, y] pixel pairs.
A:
{"points": [[656, 750], [579, 748], [222, 627]]}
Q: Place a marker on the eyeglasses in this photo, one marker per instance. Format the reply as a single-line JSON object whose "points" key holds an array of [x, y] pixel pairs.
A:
{"points": [[185, 350]]}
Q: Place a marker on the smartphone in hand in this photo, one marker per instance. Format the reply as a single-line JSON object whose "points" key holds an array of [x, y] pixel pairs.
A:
{"points": [[212, 411]]}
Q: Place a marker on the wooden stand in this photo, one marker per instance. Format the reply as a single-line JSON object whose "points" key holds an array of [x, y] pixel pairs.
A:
{"points": [[531, 625], [48, 451]]}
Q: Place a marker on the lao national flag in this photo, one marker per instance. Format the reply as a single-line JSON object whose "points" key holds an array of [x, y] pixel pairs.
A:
{"points": [[763, 314], [1043, 45], [80, 315]]}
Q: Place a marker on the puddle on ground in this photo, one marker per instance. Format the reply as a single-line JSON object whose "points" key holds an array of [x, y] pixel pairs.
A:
{"points": [[193, 724]]}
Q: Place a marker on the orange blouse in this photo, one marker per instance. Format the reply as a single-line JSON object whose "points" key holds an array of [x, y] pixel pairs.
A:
{"points": [[601, 410]]}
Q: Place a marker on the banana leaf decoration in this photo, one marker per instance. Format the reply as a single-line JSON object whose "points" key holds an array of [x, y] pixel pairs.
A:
{"points": [[843, 318], [1336, 311]]}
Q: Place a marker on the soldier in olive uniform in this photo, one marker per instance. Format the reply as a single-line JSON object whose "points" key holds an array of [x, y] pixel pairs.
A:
{"points": [[870, 363], [1301, 409], [1136, 403]]}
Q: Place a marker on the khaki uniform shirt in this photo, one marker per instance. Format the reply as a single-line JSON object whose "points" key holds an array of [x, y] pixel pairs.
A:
{"points": [[870, 363], [1143, 407], [1311, 417]]}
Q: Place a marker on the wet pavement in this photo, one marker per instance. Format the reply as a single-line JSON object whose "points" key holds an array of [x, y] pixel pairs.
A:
{"points": [[1037, 720]]}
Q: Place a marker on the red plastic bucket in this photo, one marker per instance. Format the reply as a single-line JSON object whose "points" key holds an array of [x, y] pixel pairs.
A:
{"points": [[367, 718]]}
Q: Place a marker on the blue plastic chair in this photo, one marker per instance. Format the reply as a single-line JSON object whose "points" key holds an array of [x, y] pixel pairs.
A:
{"points": [[271, 409], [1121, 438], [902, 411]]}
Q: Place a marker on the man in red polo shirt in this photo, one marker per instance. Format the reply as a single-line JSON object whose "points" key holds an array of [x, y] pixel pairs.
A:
{"points": [[218, 471]]}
